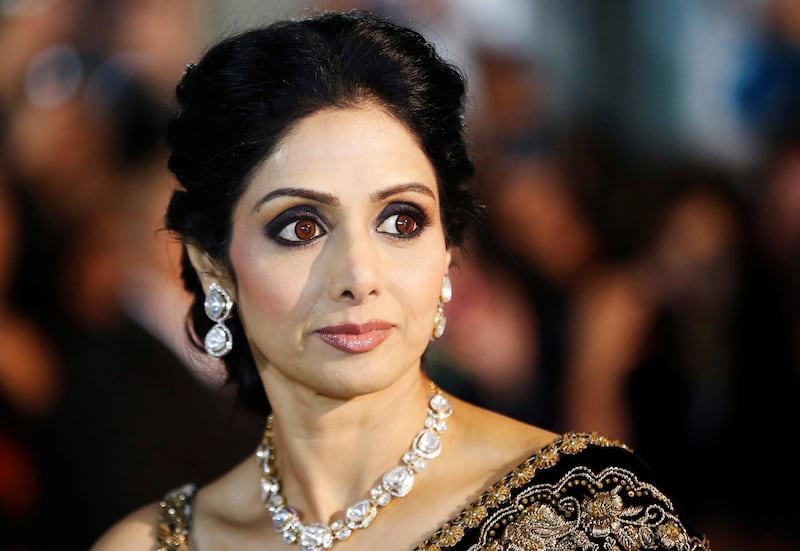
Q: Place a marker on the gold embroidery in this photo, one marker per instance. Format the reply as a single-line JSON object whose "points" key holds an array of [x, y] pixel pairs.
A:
{"points": [[582, 511], [602, 510], [546, 458], [473, 515], [450, 534], [497, 495], [521, 476], [671, 535], [174, 520], [541, 527], [574, 443], [585, 520]]}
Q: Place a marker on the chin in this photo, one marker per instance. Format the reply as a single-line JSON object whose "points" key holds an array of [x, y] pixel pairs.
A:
{"points": [[348, 379]]}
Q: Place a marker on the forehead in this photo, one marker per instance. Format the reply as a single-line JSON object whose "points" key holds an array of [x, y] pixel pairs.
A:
{"points": [[360, 147]]}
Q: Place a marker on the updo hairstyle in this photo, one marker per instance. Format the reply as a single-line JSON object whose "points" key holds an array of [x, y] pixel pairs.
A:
{"points": [[246, 93]]}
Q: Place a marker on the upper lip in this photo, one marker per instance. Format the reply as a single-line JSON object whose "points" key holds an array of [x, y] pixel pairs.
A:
{"points": [[350, 328]]}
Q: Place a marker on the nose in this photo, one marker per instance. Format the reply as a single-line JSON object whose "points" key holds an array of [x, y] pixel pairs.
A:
{"points": [[355, 273]]}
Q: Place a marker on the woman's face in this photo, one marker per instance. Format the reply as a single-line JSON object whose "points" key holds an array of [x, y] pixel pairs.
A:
{"points": [[338, 252]]}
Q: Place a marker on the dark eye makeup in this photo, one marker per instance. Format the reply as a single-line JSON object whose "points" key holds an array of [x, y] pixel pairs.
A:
{"points": [[301, 225], [403, 220], [296, 226]]}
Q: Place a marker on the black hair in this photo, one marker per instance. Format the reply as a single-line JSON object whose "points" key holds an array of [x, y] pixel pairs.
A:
{"points": [[248, 90]]}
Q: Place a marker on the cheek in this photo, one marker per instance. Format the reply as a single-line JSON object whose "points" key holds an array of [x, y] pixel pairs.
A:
{"points": [[419, 283], [268, 292]]}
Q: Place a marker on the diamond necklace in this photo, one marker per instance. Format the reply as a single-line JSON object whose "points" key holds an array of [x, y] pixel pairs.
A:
{"points": [[395, 483]]}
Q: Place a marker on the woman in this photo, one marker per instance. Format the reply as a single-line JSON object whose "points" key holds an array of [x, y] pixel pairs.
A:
{"points": [[323, 169]]}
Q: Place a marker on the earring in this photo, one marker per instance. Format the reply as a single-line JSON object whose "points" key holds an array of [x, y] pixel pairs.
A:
{"points": [[439, 320], [218, 306]]}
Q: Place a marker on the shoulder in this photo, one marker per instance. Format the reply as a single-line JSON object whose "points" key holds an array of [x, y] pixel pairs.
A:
{"points": [[578, 460], [610, 491], [576, 454], [499, 439], [580, 491], [579, 453], [135, 532]]}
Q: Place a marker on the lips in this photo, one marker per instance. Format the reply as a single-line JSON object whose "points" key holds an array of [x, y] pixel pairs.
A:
{"points": [[356, 338]]}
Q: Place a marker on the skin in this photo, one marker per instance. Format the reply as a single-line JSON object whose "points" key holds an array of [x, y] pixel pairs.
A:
{"points": [[358, 268], [342, 418]]}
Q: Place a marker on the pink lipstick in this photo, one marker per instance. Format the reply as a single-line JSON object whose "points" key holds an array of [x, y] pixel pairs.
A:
{"points": [[356, 338]]}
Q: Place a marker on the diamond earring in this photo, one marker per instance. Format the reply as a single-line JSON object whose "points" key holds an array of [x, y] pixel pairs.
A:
{"points": [[439, 320], [218, 305]]}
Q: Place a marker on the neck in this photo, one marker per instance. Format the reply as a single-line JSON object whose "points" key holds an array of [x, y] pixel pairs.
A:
{"points": [[330, 452]]}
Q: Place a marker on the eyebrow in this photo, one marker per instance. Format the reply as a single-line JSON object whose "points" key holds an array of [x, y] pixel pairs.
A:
{"points": [[332, 200], [318, 196], [384, 194]]}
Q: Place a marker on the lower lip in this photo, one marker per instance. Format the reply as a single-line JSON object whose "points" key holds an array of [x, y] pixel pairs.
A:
{"points": [[356, 343]]}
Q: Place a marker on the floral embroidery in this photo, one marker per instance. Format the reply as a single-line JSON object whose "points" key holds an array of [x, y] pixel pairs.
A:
{"points": [[574, 443], [473, 515], [601, 512], [450, 534], [542, 528], [583, 510], [630, 516], [546, 458], [521, 476], [671, 536], [497, 495]]}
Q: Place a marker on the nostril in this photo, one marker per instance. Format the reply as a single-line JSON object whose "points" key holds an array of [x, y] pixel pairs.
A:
{"points": [[348, 294]]}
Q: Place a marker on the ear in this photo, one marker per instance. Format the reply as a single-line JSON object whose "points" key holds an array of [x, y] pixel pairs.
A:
{"points": [[209, 270], [448, 258]]}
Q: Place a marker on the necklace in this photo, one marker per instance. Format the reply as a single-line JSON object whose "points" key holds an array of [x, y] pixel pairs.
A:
{"points": [[395, 483]]}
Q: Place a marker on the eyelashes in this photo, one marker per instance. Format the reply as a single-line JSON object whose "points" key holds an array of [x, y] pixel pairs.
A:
{"points": [[403, 220], [303, 225], [296, 226]]}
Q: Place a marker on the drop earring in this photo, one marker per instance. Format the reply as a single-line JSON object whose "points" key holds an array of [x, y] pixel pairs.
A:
{"points": [[440, 320], [218, 305]]}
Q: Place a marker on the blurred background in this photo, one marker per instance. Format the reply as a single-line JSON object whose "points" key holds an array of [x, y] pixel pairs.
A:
{"points": [[638, 274]]}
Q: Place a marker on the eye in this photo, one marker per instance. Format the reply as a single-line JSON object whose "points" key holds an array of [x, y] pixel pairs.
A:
{"points": [[296, 226], [402, 220], [399, 224], [304, 229]]}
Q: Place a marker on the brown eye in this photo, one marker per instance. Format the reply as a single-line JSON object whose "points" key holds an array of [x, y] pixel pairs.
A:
{"points": [[405, 224], [401, 225], [301, 230], [305, 230]]}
